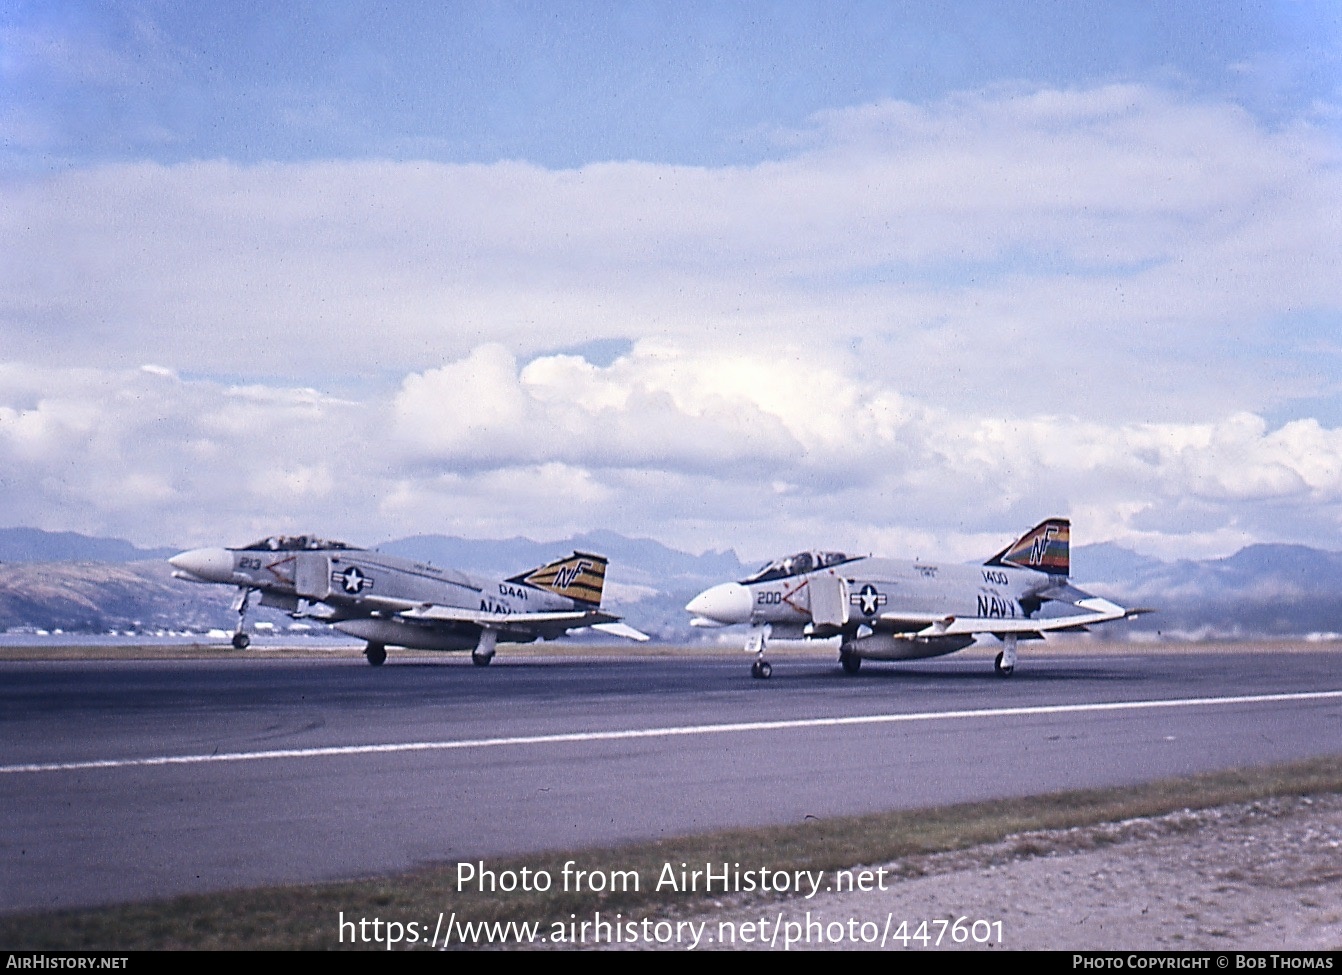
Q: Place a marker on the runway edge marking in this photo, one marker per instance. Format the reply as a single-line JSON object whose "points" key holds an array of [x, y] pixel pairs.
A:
{"points": [[335, 751]]}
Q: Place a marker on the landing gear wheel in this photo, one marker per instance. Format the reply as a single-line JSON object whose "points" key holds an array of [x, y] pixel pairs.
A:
{"points": [[851, 662], [481, 659], [376, 654], [241, 641], [1002, 671], [761, 670]]}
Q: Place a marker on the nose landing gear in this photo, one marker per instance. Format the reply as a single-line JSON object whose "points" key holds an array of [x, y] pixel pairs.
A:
{"points": [[241, 641], [756, 643]]}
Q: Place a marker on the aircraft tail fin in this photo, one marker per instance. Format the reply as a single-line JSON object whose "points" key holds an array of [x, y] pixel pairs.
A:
{"points": [[1045, 548], [579, 577]]}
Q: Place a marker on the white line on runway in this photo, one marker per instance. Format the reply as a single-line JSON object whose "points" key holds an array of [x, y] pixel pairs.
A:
{"points": [[703, 729]]}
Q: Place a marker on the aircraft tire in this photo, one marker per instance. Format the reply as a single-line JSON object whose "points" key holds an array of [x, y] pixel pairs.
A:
{"points": [[376, 654], [1001, 670], [761, 670], [480, 659], [851, 662], [241, 641]]}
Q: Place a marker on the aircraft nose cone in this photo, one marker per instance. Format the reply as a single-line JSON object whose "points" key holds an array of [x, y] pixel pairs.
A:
{"points": [[206, 564], [726, 604]]}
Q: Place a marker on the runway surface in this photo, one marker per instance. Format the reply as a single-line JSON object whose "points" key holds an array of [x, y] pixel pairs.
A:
{"points": [[130, 780]]}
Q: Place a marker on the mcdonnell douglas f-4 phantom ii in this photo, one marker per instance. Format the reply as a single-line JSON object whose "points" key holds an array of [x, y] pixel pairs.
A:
{"points": [[886, 610], [391, 601]]}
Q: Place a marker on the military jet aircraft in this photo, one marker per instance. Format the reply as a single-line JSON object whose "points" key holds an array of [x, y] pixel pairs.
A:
{"points": [[882, 609], [391, 601]]}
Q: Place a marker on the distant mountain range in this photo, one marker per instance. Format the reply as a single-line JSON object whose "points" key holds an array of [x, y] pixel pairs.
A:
{"points": [[75, 582], [1261, 590], [34, 545]]}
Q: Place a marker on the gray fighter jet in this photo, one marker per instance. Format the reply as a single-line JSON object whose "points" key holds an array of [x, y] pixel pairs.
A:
{"points": [[882, 609], [391, 601]]}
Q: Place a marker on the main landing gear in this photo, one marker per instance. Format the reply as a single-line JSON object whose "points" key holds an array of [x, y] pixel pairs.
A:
{"points": [[850, 661], [761, 669], [484, 650], [241, 641], [1005, 664], [376, 654]]}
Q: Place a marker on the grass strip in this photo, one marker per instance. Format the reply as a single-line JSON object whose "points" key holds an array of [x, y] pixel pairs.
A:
{"points": [[305, 917]]}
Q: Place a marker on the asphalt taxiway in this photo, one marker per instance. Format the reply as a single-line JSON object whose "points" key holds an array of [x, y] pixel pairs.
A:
{"points": [[128, 780]]}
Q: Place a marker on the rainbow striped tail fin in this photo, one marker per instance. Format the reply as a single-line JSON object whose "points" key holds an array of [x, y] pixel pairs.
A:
{"points": [[1045, 548]]}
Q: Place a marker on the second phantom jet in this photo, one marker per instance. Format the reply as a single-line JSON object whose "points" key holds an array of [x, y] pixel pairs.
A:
{"points": [[882, 609]]}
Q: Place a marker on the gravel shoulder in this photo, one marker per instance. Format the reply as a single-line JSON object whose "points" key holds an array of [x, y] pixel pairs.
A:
{"points": [[1264, 875]]}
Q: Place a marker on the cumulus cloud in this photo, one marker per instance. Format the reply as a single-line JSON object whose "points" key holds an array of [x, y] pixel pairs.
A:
{"points": [[921, 326], [147, 455], [661, 407], [697, 447], [1090, 234]]}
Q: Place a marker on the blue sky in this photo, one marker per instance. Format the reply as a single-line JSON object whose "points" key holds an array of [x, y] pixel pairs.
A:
{"points": [[563, 85], [867, 275]]}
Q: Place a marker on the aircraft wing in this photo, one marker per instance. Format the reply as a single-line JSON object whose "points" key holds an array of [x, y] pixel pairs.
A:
{"points": [[1097, 610], [622, 629], [524, 622]]}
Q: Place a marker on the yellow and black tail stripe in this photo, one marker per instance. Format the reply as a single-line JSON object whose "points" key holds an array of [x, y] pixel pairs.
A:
{"points": [[581, 576]]}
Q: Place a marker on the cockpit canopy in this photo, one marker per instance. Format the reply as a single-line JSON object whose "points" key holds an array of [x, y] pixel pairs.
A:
{"points": [[796, 565], [295, 543]]}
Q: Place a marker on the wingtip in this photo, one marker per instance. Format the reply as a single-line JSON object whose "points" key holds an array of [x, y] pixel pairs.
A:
{"points": [[622, 630]]}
